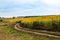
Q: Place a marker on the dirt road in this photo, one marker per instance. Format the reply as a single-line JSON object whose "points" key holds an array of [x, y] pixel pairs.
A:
{"points": [[17, 27]]}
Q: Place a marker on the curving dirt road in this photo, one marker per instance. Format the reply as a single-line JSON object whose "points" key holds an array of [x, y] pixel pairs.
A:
{"points": [[17, 27]]}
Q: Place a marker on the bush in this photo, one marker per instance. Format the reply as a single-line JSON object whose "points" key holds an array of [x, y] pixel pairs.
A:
{"points": [[1, 20], [54, 25], [33, 25], [58, 26], [37, 25], [49, 25]]}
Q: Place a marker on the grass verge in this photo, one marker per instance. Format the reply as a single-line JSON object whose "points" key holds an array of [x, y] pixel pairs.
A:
{"points": [[26, 36]]}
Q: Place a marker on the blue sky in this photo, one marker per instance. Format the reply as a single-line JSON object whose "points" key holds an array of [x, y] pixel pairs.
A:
{"points": [[9, 8]]}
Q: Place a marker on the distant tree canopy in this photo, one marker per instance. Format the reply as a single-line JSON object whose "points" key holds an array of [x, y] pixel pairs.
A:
{"points": [[1, 20], [13, 17]]}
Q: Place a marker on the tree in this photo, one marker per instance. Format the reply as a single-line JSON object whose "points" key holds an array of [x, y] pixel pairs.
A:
{"points": [[13, 17], [1, 20]]}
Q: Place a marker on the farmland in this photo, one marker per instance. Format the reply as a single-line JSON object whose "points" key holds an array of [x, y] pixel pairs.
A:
{"points": [[38, 18], [42, 24], [39, 22], [7, 33]]}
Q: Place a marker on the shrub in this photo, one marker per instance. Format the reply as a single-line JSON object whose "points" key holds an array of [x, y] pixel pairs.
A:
{"points": [[37, 25], [55, 25], [48, 25], [1, 20], [58, 26]]}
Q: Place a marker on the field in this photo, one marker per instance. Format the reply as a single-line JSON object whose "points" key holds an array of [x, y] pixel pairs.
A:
{"points": [[50, 23], [7, 33], [38, 18], [39, 22]]}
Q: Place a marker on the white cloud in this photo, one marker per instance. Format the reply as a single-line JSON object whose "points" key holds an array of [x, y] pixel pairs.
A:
{"points": [[22, 1], [29, 7], [51, 2]]}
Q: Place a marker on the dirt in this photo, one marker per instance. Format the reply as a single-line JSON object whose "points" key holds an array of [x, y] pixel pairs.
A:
{"points": [[17, 27], [4, 36]]}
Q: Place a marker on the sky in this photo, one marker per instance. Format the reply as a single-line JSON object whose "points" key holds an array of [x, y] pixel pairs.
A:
{"points": [[9, 8]]}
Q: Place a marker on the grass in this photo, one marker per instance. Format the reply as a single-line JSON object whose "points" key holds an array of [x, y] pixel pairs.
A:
{"points": [[25, 36], [10, 34], [50, 23]]}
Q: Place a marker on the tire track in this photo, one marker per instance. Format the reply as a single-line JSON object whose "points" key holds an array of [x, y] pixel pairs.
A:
{"points": [[17, 27]]}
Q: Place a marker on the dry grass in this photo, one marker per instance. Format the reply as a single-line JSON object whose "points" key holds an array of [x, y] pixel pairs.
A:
{"points": [[7, 33]]}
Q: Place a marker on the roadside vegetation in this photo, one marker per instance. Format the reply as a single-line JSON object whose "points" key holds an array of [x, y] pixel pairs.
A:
{"points": [[48, 23], [9, 33]]}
